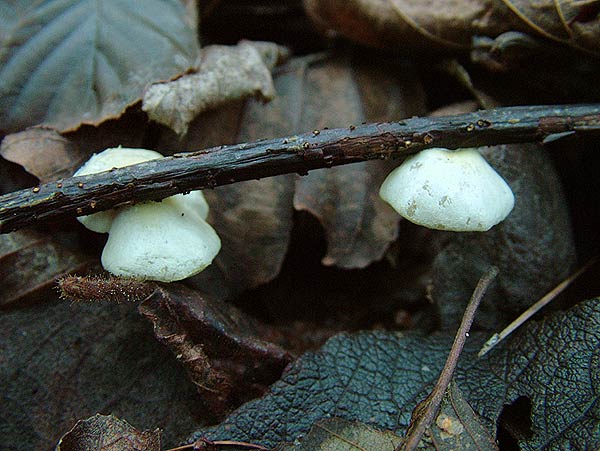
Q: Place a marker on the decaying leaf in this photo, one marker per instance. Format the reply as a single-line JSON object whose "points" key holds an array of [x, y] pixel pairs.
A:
{"points": [[458, 427], [519, 56], [227, 355], [533, 247], [30, 263], [359, 226], [43, 153], [225, 74], [335, 434], [254, 219], [60, 362], [64, 63], [108, 433], [377, 378], [414, 24]]}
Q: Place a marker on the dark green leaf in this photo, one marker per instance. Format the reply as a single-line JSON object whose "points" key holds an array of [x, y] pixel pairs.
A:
{"points": [[67, 62], [61, 362], [378, 378], [533, 247]]}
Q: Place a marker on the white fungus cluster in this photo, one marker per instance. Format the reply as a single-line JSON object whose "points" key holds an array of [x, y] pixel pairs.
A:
{"points": [[164, 241]]}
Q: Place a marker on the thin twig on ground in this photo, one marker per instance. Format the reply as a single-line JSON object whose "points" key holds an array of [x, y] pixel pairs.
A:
{"points": [[495, 339], [427, 410]]}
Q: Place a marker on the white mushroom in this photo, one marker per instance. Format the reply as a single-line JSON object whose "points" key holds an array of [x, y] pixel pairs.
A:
{"points": [[165, 241], [448, 190]]}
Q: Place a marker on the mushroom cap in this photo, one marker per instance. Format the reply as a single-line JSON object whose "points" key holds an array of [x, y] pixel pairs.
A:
{"points": [[115, 157], [448, 190], [159, 241], [118, 157]]}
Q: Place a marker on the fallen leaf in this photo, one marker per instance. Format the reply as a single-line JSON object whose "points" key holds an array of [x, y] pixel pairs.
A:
{"points": [[43, 153], [30, 263], [519, 57], [572, 23], [64, 63], [61, 362], [416, 25], [254, 219], [533, 247], [108, 433], [378, 378], [227, 354], [225, 74], [358, 224], [457, 426], [335, 434]]}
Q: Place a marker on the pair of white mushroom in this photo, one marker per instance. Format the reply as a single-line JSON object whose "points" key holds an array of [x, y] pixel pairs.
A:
{"points": [[171, 240], [165, 241]]}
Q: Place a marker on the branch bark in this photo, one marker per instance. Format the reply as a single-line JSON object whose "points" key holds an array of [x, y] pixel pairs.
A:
{"points": [[223, 165]]}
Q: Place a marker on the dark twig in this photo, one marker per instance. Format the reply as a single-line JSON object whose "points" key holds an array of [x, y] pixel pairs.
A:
{"points": [[223, 165], [428, 409]]}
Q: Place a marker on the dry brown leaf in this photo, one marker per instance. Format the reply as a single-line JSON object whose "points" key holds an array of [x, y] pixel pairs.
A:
{"points": [[254, 218], [226, 353], [358, 224], [43, 152], [440, 24], [30, 263], [225, 74], [108, 433], [336, 434]]}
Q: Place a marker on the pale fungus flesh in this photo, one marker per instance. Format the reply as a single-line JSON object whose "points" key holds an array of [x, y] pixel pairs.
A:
{"points": [[165, 241], [449, 190]]}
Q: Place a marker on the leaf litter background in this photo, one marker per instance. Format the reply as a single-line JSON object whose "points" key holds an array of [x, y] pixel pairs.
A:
{"points": [[62, 362]]}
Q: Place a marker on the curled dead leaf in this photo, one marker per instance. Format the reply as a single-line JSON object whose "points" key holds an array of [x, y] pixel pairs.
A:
{"points": [[108, 433], [225, 74], [43, 152], [442, 24], [30, 263]]}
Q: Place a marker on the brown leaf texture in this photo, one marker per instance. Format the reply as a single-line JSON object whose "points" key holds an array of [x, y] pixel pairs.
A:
{"points": [[60, 362], [436, 24], [108, 433], [225, 74], [227, 355], [336, 434], [43, 152], [457, 426], [30, 263], [359, 226], [254, 219]]}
